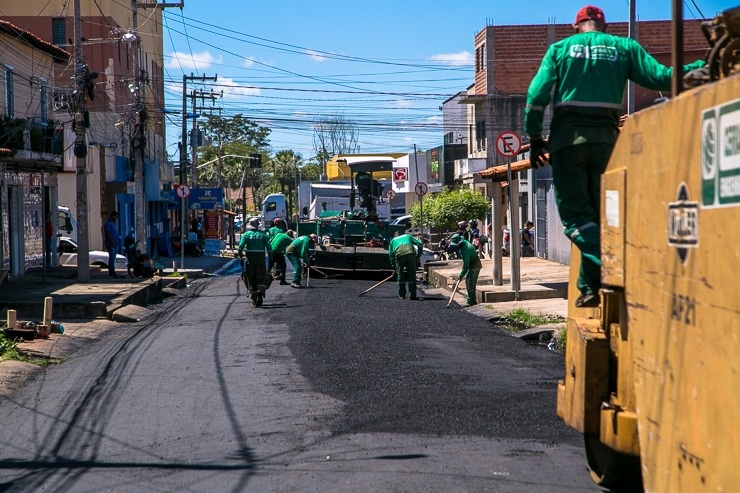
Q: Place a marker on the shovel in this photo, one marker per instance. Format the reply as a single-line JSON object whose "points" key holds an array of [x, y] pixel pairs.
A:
{"points": [[375, 286], [457, 285]]}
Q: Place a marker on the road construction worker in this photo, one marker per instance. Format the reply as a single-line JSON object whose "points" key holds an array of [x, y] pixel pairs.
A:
{"points": [[471, 266], [279, 243], [299, 254], [585, 74], [258, 254], [404, 251], [278, 226]]}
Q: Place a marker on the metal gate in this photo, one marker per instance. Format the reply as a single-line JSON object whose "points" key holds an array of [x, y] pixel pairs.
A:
{"points": [[552, 244]]}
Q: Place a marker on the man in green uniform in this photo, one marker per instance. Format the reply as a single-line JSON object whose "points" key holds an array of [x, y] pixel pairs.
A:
{"points": [[586, 74], [257, 246], [298, 252], [279, 243], [404, 251], [278, 226], [471, 266]]}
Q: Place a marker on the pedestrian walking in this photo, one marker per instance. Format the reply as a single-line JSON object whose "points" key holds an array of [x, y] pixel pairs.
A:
{"points": [[404, 251], [258, 254], [585, 74], [112, 240], [527, 247], [471, 266], [299, 254], [279, 243]]}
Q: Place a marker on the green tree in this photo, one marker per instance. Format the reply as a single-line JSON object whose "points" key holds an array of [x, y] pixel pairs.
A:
{"points": [[230, 137], [442, 211], [282, 175]]}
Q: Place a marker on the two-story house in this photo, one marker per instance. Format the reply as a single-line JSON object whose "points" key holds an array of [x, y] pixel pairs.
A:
{"points": [[30, 146]]}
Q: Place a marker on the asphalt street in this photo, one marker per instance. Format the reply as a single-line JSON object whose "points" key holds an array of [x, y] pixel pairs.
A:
{"points": [[318, 390]]}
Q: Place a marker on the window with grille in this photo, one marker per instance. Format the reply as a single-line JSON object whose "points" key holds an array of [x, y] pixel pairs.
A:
{"points": [[58, 31]]}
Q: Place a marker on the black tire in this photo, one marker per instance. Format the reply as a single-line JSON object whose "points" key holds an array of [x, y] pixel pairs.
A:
{"points": [[197, 251], [612, 469], [130, 273]]}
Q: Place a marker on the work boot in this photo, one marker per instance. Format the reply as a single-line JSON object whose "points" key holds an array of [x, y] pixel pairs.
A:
{"points": [[283, 283], [295, 285], [587, 300]]}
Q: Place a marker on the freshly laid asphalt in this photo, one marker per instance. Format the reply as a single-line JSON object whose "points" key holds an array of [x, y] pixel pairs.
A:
{"points": [[110, 300]]}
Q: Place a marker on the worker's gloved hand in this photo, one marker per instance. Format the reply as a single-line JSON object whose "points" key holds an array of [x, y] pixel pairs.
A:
{"points": [[461, 277], [537, 150]]}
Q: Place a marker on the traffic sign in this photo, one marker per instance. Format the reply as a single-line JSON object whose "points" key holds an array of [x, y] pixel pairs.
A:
{"points": [[182, 191], [390, 194], [421, 189], [400, 174], [508, 144]]}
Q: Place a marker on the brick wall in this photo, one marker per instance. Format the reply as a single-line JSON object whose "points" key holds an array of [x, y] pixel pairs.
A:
{"points": [[515, 52]]}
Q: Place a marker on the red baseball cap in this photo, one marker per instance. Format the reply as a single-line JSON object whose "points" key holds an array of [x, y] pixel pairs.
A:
{"points": [[590, 13]]}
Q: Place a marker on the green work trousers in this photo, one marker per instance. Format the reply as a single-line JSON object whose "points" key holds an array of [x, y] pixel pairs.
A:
{"points": [[471, 280], [295, 261], [576, 173], [406, 270], [255, 271]]}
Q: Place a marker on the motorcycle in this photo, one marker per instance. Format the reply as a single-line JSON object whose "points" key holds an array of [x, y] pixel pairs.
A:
{"points": [[139, 264], [193, 248]]}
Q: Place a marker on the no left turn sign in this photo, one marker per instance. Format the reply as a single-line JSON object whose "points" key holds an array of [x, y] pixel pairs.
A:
{"points": [[508, 144]]}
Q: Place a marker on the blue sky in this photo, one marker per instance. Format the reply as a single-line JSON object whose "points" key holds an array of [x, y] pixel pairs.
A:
{"points": [[385, 65]]}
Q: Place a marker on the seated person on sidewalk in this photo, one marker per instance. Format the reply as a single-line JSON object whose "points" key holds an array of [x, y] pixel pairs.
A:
{"points": [[471, 266]]}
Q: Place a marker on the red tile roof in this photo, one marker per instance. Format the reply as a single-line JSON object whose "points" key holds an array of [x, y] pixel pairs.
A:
{"points": [[31, 39]]}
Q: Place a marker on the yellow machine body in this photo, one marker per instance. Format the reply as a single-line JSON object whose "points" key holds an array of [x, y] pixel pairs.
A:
{"points": [[654, 372]]}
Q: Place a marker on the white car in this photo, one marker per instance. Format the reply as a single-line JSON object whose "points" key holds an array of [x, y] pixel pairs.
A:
{"points": [[68, 255]]}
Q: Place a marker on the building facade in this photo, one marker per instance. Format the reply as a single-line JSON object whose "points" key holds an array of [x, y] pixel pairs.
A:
{"points": [[30, 148], [111, 39]]}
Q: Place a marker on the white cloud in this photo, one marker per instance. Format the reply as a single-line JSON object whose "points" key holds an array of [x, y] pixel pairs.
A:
{"points": [[249, 61], [454, 59], [192, 61], [399, 104], [316, 57], [233, 90], [434, 120]]}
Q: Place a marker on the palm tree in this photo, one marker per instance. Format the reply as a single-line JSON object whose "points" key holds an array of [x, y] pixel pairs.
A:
{"points": [[283, 169]]}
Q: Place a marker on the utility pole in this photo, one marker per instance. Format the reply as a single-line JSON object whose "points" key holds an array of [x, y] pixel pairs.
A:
{"points": [[184, 156], [138, 141], [80, 151]]}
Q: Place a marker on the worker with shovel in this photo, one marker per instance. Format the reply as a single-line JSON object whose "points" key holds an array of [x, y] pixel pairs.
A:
{"points": [[298, 252], [471, 266], [404, 252]]}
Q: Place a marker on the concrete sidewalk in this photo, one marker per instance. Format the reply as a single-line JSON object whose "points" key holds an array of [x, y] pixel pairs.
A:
{"points": [[543, 287], [99, 298]]}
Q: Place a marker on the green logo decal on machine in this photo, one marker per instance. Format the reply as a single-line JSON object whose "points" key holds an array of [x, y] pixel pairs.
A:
{"points": [[720, 156]]}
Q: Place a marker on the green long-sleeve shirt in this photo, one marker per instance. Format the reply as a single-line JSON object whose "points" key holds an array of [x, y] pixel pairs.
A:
{"points": [[255, 243], [470, 258], [588, 72], [301, 247], [280, 242], [404, 245]]}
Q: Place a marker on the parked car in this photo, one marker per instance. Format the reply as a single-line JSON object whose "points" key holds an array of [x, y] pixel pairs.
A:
{"points": [[68, 255]]}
